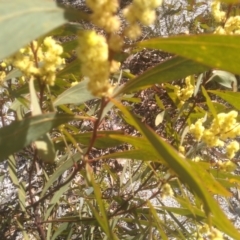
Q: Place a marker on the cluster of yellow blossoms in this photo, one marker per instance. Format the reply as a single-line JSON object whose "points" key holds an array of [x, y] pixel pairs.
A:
{"points": [[217, 13], [223, 127], [2, 73], [184, 94], [95, 50], [231, 25], [142, 11], [104, 14], [39, 61], [211, 233], [166, 191], [93, 53]]}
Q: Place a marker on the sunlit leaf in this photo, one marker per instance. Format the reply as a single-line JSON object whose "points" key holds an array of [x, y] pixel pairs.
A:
{"points": [[44, 144], [75, 95], [216, 51], [229, 96], [12, 169], [209, 102], [226, 79], [173, 69], [185, 172], [28, 20], [159, 118], [19, 134], [60, 229], [56, 197], [71, 68], [68, 163]]}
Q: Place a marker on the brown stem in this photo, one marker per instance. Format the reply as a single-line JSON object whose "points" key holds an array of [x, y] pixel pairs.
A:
{"points": [[96, 125]]}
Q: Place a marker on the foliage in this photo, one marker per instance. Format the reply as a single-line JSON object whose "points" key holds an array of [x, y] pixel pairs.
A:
{"points": [[94, 168]]}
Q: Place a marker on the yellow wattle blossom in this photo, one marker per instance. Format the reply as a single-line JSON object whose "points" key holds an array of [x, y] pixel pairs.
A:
{"points": [[232, 25], [40, 61], [197, 129], [104, 14], [184, 93], [167, 190], [232, 148], [93, 54], [211, 139], [133, 31], [181, 149], [142, 11], [2, 77], [223, 127], [115, 42], [218, 15]]}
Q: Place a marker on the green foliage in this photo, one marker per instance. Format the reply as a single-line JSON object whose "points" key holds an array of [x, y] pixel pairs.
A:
{"points": [[101, 169]]}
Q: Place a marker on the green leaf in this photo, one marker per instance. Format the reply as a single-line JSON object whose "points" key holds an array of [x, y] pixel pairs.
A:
{"points": [[103, 219], [229, 96], [68, 47], [23, 21], [75, 95], [57, 195], [185, 172], [15, 73], [226, 79], [70, 28], [60, 229], [136, 154], [173, 69], [20, 186], [159, 118], [159, 103], [71, 68], [20, 134], [215, 51], [103, 139], [61, 169], [209, 102], [44, 145], [209, 181], [158, 221]]}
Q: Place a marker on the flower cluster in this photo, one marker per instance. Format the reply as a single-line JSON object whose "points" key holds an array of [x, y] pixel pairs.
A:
{"points": [[232, 26], [2, 73], [93, 54], [104, 14], [166, 190], [2, 76], [142, 11], [211, 233], [227, 166], [223, 127], [40, 61], [232, 148], [184, 93], [217, 13]]}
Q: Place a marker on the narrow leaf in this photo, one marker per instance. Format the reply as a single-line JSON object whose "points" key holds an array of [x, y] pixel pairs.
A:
{"points": [[185, 172], [229, 96], [28, 20], [215, 51], [56, 197], [60, 170], [173, 69], [44, 145], [75, 95], [209, 102], [19, 134]]}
